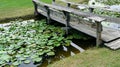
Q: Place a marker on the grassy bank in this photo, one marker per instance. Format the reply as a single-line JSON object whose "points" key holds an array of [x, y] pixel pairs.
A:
{"points": [[93, 57], [15, 8]]}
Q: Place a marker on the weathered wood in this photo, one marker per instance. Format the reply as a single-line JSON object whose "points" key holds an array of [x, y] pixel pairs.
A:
{"points": [[108, 34], [91, 10], [53, 2], [68, 4], [35, 8], [77, 12], [67, 14], [98, 32], [48, 14], [114, 44], [79, 21], [96, 18]]}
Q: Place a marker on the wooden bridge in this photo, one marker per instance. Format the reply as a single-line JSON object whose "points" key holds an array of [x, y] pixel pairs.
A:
{"points": [[86, 22]]}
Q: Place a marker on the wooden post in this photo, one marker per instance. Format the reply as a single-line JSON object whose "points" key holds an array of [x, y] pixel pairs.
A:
{"points": [[48, 15], [53, 1], [99, 30], [68, 4], [67, 15], [91, 10], [98, 21], [35, 8], [67, 22]]}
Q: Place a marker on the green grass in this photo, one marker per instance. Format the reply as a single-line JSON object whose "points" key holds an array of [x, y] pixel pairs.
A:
{"points": [[15, 8], [19, 8], [94, 57], [47, 1]]}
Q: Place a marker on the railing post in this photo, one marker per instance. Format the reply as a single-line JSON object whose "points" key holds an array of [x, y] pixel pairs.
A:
{"points": [[67, 15], [48, 15], [98, 32], [53, 1], [68, 4], [35, 8], [91, 10], [98, 21]]}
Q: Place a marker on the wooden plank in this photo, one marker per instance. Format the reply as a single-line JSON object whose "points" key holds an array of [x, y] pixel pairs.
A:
{"points": [[60, 20], [42, 12], [107, 34], [96, 18], [98, 32], [114, 44]]}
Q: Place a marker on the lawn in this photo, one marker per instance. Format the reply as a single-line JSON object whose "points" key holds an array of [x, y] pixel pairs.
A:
{"points": [[19, 8], [15, 8], [94, 57]]}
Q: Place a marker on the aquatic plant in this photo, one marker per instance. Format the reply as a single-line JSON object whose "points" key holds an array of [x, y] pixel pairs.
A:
{"points": [[28, 41]]}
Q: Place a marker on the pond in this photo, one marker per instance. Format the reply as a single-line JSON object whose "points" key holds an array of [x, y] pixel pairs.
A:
{"points": [[64, 52], [20, 44]]}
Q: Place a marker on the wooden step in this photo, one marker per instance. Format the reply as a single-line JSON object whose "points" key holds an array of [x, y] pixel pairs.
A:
{"points": [[114, 44]]}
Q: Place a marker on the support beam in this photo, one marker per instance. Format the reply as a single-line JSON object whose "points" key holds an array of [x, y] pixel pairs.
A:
{"points": [[98, 32], [67, 15], [68, 4], [91, 10], [53, 1], [48, 15], [98, 21], [35, 8]]}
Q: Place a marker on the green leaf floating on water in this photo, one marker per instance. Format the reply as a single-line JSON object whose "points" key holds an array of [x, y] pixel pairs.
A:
{"points": [[5, 57], [16, 63], [51, 53], [27, 61], [28, 39], [22, 58], [37, 59]]}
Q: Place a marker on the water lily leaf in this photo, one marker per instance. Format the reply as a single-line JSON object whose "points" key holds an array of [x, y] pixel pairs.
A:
{"points": [[50, 43], [18, 55], [45, 51], [27, 61], [38, 59], [51, 53], [57, 44], [5, 57], [60, 38], [2, 62], [40, 53], [34, 56], [3, 52], [22, 58], [16, 63], [50, 47], [26, 56]]}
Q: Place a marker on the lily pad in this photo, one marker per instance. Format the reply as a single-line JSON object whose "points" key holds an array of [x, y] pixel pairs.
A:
{"points": [[26, 56], [51, 53], [16, 63], [5, 57], [27, 61], [22, 58], [38, 59]]}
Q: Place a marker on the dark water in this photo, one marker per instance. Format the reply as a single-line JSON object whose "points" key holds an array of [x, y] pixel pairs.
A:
{"points": [[63, 52]]}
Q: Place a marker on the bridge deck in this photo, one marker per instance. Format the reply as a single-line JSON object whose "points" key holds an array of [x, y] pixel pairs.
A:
{"points": [[110, 36]]}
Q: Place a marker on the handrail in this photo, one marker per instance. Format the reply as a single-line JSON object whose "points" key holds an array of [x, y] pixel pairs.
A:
{"points": [[77, 12]]}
